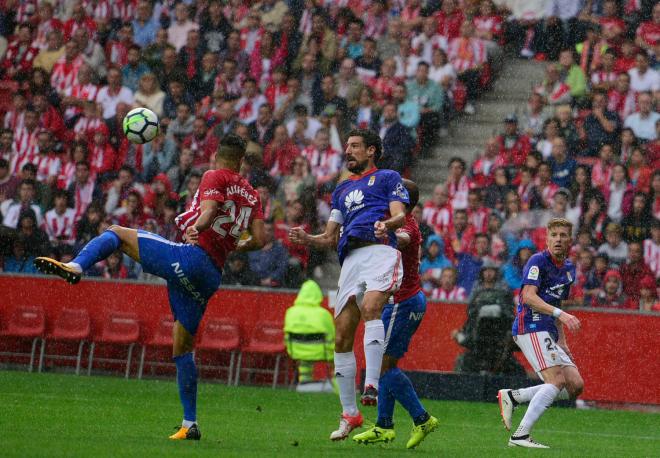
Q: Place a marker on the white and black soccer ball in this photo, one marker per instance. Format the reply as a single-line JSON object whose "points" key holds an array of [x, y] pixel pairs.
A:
{"points": [[141, 125]]}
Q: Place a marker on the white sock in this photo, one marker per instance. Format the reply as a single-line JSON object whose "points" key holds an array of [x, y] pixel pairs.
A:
{"points": [[75, 266], [544, 397], [187, 423], [345, 370], [524, 395], [374, 336]]}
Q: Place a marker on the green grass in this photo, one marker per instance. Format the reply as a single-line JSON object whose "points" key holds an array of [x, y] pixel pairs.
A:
{"points": [[65, 415]]}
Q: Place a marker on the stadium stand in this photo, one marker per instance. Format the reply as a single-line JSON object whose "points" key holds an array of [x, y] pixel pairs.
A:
{"points": [[292, 78]]}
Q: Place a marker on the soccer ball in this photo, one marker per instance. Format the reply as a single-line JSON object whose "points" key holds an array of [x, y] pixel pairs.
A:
{"points": [[141, 125]]}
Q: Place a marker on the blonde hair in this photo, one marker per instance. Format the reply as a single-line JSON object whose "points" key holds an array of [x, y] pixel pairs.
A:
{"points": [[560, 222]]}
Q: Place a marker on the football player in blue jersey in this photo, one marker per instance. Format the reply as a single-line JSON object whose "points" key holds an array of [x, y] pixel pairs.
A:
{"points": [[538, 329], [367, 209]]}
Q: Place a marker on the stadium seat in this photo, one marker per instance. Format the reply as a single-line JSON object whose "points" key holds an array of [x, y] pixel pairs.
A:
{"points": [[118, 329], [25, 323], [162, 338], [220, 336], [72, 325], [267, 339]]}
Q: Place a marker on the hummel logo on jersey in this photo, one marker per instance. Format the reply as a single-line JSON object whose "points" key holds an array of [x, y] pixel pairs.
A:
{"points": [[354, 200]]}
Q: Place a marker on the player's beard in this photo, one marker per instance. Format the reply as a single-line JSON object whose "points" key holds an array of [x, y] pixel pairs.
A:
{"points": [[359, 167]]}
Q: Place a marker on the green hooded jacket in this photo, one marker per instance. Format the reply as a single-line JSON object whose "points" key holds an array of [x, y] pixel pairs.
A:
{"points": [[305, 317]]}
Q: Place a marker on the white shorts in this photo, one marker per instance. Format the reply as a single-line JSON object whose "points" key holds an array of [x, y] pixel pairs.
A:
{"points": [[370, 268], [542, 351]]}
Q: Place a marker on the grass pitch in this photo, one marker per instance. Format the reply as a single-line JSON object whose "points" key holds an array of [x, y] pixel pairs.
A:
{"points": [[64, 415]]}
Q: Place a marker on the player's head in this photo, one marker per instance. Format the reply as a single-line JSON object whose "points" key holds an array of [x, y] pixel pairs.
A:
{"points": [[413, 194], [363, 148], [559, 237], [230, 152]]}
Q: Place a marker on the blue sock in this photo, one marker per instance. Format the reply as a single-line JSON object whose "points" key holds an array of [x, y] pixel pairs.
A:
{"points": [[385, 401], [98, 249], [186, 377], [403, 391]]}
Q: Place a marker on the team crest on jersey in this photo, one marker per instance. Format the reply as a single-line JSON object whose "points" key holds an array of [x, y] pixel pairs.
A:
{"points": [[372, 180], [533, 273], [353, 200]]}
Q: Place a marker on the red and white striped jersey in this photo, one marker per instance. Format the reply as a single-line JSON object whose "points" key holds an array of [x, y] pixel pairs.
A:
{"points": [[458, 193], [124, 10], [26, 147], [100, 10], [479, 218], [102, 157], [465, 54], [82, 197], [247, 109], [44, 28], [652, 256], [622, 104], [48, 165], [492, 24], [602, 77], [60, 227], [117, 53], [85, 92], [428, 45], [324, 162], [547, 193], [14, 120], [65, 74], [375, 27], [87, 126], [456, 294], [20, 56], [437, 218], [26, 10], [231, 87]]}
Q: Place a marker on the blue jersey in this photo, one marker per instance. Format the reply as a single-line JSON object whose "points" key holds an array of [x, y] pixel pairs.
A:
{"points": [[362, 200], [553, 282]]}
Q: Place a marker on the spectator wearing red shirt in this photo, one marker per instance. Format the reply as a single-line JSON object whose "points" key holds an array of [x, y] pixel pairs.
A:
{"points": [[483, 168], [247, 107], [461, 234], [65, 70], [478, 215], [280, 153], [102, 154], [324, 160], [20, 54], [116, 51], [514, 145], [621, 99], [294, 217], [112, 267], [634, 270], [611, 23], [648, 295], [449, 18], [84, 189], [626, 59], [612, 295], [648, 33], [457, 183], [448, 290], [547, 189], [79, 19], [25, 141], [437, 212], [49, 117], [266, 57], [202, 142], [133, 214], [47, 23], [59, 223]]}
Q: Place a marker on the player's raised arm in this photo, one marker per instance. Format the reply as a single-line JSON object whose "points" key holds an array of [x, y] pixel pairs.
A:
{"points": [[257, 238], [327, 239], [530, 297], [208, 212]]}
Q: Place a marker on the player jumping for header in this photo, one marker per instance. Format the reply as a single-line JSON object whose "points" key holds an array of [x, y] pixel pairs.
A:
{"points": [[538, 329], [224, 206], [370, 206], [401, 320]]}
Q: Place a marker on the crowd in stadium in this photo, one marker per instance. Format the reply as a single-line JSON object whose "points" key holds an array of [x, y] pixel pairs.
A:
{"points": [[292, 78]]}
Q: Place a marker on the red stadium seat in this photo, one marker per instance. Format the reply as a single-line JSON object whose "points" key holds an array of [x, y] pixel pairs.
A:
{"points": [[118, 329], [221, 336], [25, 323], [161, 339], [72, 325], [267, 339]]}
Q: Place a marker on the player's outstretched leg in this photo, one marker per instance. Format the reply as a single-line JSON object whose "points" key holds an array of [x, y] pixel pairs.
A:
{"points": [[96, 250], [186, 377]]}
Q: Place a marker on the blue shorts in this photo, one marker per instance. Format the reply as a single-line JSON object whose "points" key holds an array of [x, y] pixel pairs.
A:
{"points": [[401, 321], [191, 276]]}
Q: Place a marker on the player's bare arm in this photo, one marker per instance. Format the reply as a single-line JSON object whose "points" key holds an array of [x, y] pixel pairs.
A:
{"points": [[396, 221], [257, 238], [327, 239], [209, 210], [530, 297]]}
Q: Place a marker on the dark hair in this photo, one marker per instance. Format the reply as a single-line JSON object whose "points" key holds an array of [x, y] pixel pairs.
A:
{"points": [[61, 193], [300, 110], [127, 168], [232, 147], [4, 164], [459, 160], [29, 182], [29, 167], [370, 138], [84, 163]]}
